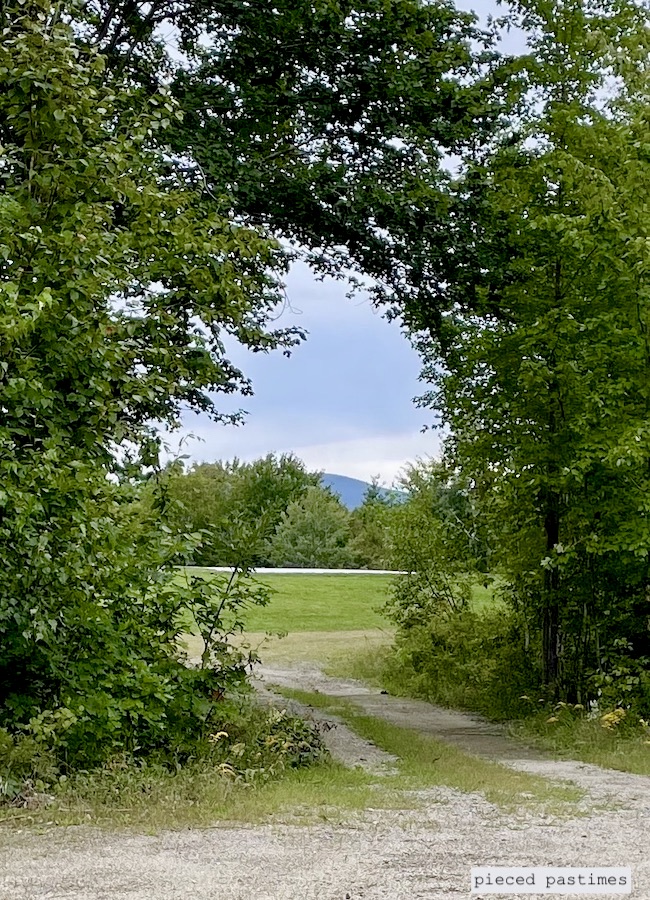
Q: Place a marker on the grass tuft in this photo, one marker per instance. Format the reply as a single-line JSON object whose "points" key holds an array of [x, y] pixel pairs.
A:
{"points": [[569, 737], [199, 796]]}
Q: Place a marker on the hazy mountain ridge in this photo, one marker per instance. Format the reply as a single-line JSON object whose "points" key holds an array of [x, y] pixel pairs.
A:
{"points": [[350, 490]]}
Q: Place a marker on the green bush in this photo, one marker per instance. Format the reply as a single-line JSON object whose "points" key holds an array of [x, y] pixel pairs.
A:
{"points": [[483, 661], [24, 766], [133, 283], [244, 744], [232, 503], [464, 659], [623, 682], [91, 613], [312, 531]]}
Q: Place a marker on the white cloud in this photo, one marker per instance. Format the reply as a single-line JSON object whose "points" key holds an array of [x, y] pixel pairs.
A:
{"points": [[383, 455]]}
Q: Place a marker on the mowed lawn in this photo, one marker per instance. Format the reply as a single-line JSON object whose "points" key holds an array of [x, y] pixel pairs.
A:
{"points": [[318, 602], [327, 618]]}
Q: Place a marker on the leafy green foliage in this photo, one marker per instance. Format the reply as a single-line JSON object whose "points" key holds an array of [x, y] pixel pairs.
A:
{"points": [[432, 539], [313, 532], [236, 506], [116, 284], [91, 664], [249, 746], [445, 649], [117, 281], [545, 392], [24, 766], [466, 659], [370, 529], [334, 137], [326, 122]]}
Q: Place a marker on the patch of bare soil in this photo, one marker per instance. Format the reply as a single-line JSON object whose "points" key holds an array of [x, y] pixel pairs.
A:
{"points": [[380, 855]]}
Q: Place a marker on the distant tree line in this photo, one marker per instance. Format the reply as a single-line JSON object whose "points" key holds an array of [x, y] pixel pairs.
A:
{"points": [[274, 512]]}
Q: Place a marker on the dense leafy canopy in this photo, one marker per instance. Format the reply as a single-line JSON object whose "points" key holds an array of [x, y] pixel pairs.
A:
{"points": [[115, 284], [327, 123], [370, 528], [123, 280], [547, 398]]}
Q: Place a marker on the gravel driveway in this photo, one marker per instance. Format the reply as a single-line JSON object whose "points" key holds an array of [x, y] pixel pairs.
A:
{"points": [[392, 855]]}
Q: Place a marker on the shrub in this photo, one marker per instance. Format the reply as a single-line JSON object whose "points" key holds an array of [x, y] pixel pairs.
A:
{"points": [[465, 659], [248, 745], [24, 766], [91, 612], [131, 285]]}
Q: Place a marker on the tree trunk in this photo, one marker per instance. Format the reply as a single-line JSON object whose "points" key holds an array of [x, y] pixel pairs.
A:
{"points": [[550, 608]]}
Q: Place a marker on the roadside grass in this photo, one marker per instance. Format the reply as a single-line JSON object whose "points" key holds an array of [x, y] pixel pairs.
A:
{"points": [[364, 663], [586, 739], [198, 796], [425, 762], [567, 737]]}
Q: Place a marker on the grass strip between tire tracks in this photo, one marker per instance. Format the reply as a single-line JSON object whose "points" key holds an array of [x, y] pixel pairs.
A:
{"points": [[425, 762]]}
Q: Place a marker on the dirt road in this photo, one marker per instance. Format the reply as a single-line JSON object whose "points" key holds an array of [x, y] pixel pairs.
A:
{"points": [[380, 855]]}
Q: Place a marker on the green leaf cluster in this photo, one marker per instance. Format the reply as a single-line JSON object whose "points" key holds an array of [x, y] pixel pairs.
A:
{"points": [[433, 536], [313, 532], [117, 286], [236, 506], [545, 389]]}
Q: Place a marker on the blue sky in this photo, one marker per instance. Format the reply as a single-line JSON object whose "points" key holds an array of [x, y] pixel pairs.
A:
{"points": [[343, 400]]}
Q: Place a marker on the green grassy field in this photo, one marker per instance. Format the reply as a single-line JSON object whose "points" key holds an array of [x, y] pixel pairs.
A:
{"points": [[332, 619], [322, 603], [324, 617], [326, 602]]}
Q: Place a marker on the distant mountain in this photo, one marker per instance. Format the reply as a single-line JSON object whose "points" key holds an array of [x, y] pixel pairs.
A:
{"points": [[350, 490]]}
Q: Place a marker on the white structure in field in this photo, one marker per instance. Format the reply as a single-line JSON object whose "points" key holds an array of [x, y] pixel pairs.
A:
{"points": [[269, 571]]}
